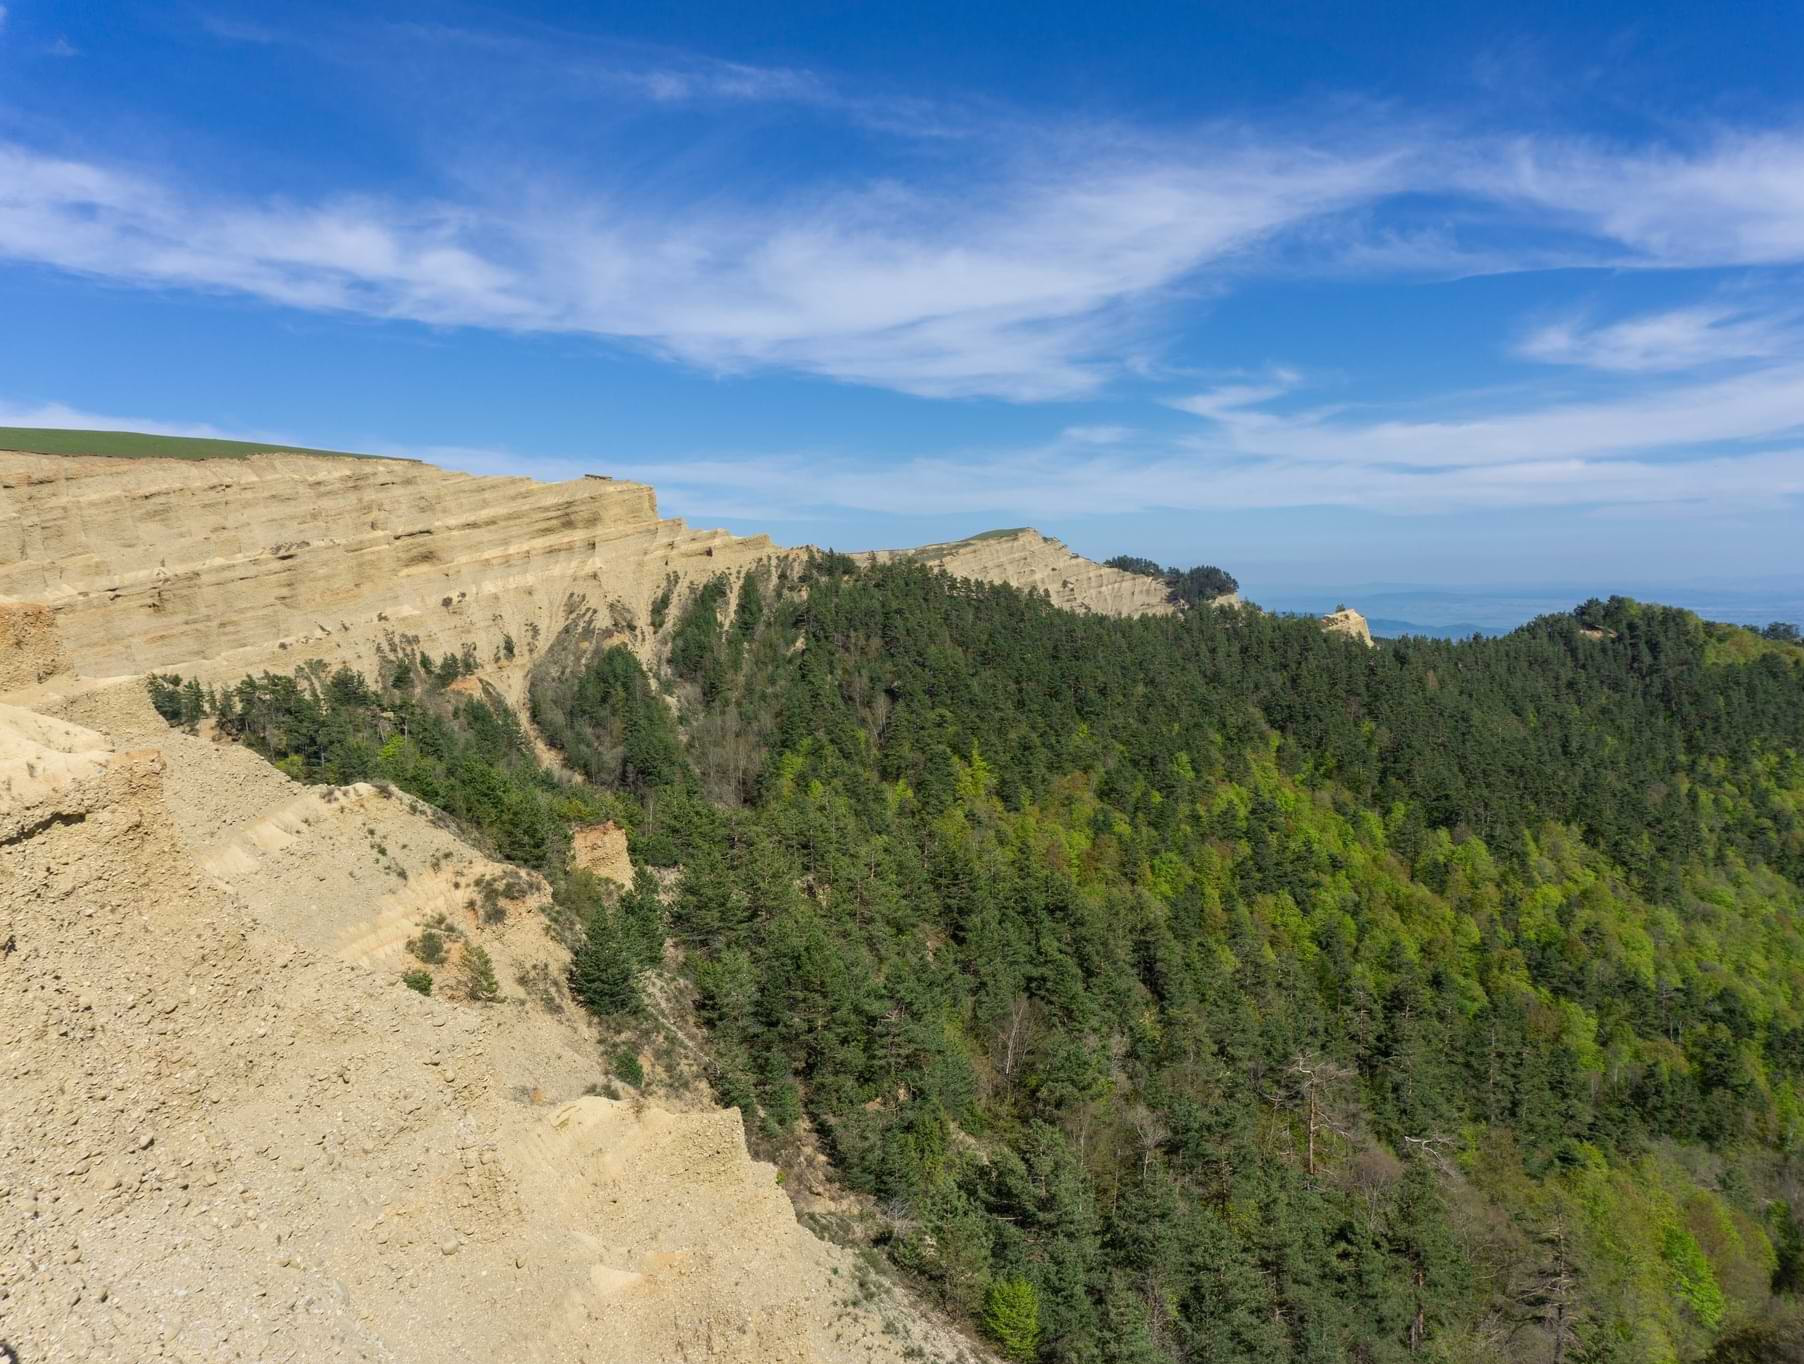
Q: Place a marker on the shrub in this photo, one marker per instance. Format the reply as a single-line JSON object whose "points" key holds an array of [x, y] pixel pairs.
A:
{"points": [[1776, 1341], [429, 947], [783, 1109], [625, 1064], [660, 607], [166, 695], [182, 704], [494, 891], [1693, 1280], [419, 980]]}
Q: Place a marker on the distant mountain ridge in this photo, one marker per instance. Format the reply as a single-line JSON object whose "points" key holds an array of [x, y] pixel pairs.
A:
{"points": [[1455, 613]]}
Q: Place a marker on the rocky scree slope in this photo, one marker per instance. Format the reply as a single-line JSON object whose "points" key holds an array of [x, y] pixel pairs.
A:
{"points": [[228, 1133]]}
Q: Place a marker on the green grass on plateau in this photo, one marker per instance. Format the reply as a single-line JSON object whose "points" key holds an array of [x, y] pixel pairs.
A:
{"points": [[47, 440]]}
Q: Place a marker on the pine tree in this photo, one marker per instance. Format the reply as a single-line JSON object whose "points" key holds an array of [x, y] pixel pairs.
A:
{"points": [[603, 973], [476, 973], [1011, 1314], [1127, 1328]]}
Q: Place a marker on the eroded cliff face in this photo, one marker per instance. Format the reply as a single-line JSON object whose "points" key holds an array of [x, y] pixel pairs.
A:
{"points": [[215, 569], [1026, 558], [219, 568], [1350, 623]]}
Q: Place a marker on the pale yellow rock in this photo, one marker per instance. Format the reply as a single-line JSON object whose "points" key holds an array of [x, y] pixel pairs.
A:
{"points": [[600, 849], [1026, 558], [216, 569], [1350, 623], [40, 756], [217, 1090], [29, 651], [219, 568]]}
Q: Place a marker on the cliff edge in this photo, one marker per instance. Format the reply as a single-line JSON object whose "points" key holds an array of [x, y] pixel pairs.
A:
{"points": [[113, 568]]}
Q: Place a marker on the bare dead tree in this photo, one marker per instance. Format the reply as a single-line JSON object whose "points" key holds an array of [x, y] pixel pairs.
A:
{"points": [[1432, 1148], [1371, 1174], [1150, 1132], [1549, 1292], [1318, 1090], [1015, 1038]]}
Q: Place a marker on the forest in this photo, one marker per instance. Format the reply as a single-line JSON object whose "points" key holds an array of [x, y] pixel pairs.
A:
{"points": [[1195, 988]]}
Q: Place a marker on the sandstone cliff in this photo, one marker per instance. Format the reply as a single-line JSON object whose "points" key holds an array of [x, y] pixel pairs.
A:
{"points": [[1350, 623], [219, 568], [1026, 558], [114, 568]]}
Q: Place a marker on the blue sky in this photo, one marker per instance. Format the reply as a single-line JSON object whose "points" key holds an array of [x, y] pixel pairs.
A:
{"points": [[1326, 294]]}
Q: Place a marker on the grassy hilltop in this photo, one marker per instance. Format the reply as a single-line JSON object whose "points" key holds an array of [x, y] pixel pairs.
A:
{"points": [[51, 440]]}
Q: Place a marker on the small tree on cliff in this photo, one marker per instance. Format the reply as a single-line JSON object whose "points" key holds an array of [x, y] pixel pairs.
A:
{"points": [[477, 975]]}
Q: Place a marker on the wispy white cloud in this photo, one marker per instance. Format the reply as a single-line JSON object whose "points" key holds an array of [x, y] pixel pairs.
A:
{"points": [[1139, 471], [1060, 481], [1763, 403], [1017, 292], [1237, 405], [722, 81], [1676, 339], [233, 29], [587, 73], [1739, 200], [54, 415], [1036, 269], [1096, 435], [583, 64]]}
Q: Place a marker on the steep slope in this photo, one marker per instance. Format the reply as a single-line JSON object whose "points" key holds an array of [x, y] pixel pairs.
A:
{"points": [[218, 568], [111, 568], [229, 1133]]}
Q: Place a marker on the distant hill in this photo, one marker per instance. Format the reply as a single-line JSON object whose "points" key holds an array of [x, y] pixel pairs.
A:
{"points": [[1386, 628], [53, 440], [1459, 613]]}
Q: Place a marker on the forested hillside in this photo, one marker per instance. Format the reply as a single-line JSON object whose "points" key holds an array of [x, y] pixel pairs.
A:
{"points": [[1199, 988]]}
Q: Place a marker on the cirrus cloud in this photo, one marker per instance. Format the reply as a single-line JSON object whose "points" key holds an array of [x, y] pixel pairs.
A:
{"points": [[1024, 285], [1675, 339]]}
